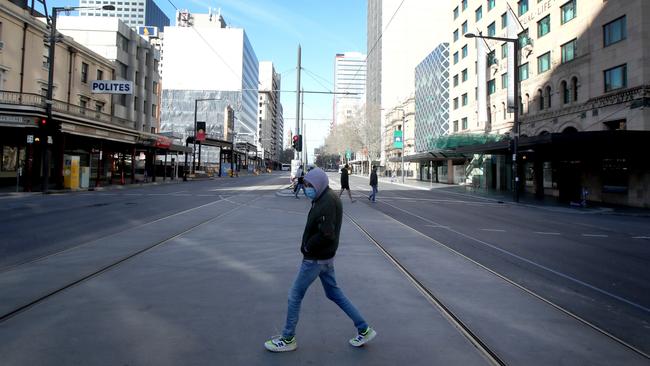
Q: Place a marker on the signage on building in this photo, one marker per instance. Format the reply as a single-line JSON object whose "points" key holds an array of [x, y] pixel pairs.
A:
{"points": [[397, 139], [163, 142], [148, 31], [112, 87], [229, 124]]}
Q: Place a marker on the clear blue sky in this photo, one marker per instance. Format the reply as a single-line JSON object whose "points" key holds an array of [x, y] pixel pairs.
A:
{"points": [[275, 28]]}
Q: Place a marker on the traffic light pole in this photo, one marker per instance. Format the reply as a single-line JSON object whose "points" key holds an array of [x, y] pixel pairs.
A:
{"points": [[296, 154]]}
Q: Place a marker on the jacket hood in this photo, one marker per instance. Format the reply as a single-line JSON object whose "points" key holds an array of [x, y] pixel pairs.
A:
{"points": [[318, 179]]}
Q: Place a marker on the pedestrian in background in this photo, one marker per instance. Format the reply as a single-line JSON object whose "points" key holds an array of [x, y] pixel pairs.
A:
{"points": [[373, 184], [320, 241], [300, 176], [345, 182]]}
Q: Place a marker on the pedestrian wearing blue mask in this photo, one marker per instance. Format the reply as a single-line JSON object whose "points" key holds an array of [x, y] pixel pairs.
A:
{"points": [[320, 241]]}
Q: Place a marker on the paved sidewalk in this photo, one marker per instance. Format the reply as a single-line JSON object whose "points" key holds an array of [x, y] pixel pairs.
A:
{"points": [[214, 294], [546, 203]]}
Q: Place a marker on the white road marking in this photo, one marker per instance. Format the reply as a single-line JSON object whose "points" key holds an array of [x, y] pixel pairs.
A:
{"points": [[641, 237], [495, 230], [596, 235], [439, 226], [545, 233]]}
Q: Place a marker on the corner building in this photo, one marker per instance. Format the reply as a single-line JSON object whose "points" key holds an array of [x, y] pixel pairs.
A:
{"points": [[584, 88]]}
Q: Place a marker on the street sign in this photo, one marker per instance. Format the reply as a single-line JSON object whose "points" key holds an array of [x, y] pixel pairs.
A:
{"points": [[397, 139], [111, 87], [348, 154], [30, 139], [148, 31]]}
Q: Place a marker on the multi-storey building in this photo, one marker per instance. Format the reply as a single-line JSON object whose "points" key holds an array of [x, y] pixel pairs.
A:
{"points": [[135, 59], [270, 122], [87, 126], [349, 77], [400, 118], [402, 35], [205, 59], [134, 13], [584, 83]]}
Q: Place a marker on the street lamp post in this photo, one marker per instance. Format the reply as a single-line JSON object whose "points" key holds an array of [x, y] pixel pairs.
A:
{"points": [[515, 127], [50, 82]]}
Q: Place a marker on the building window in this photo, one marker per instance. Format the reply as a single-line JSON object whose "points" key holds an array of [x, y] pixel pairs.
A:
{"points": [[153, 110], [456, 12], [464, 99], [455, 103], [504, 20], [464, 51], [540, 99], [123, 42], [568, 11], [504, 81], [523, 72], [83, 103], [544, 63], [491, 4], [524, 40], [479, 13], [544, 26], [456, 126], [569, 50], [135, 103], [155, 88], [616, 78], [491, 86], [492, 29], [99, 107], [84, 72], [548, 96], [137, 78], [456, 80], [464, 123], [123, 70], [574, 88], [566, 93], [464, 5], [522, 5], [614, 31], [100, 75], [464, 75], [456, 35], [491, 58], [464, 26], [46, 57], [455, 58], [504, 50]]}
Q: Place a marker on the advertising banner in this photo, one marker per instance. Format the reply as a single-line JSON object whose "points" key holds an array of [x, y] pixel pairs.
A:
{"points": [[398, 142]]}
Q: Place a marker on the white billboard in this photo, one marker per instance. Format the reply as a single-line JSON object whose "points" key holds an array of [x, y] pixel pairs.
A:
{"points": [[112, 87]]}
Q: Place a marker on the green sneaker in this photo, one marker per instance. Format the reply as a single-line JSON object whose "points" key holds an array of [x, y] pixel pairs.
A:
{"points": [[363, 337], [280, 344]]}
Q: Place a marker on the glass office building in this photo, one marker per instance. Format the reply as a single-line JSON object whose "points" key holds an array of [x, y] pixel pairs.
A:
{"points": [[132, 12], [432, 98]]}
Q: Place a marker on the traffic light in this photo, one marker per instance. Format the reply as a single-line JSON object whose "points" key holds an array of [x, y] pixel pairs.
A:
{"points": [[42, 123], [294, 141], [298, 143]]}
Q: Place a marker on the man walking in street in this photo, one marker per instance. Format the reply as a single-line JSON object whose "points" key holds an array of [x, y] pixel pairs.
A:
{"points": [[345, 182], [300, 176], [373, 184], [320, 241]]}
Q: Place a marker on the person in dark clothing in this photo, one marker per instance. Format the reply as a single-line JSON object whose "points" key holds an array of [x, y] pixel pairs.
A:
{"points": [[373, 184], [345, 182], [320, 241], [300, 176]]}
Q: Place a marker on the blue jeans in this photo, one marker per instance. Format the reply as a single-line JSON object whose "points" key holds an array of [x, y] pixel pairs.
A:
{"points": [[309, 270], [374, 193], [299, 186]]}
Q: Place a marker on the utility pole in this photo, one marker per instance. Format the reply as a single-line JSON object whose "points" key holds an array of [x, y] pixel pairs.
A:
{"points": [[298, 131], [302, 129]]}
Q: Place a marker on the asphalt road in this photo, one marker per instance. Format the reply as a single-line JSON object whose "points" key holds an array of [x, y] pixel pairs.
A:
{"points": [[596, 266], [39, 225]]}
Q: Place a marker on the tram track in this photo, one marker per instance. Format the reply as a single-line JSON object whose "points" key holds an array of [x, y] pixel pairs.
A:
{"points": [[115, 263], [449, 315], [475, 340]]}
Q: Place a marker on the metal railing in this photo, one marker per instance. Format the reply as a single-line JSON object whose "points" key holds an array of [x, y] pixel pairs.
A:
{"points": [[37, 100]]}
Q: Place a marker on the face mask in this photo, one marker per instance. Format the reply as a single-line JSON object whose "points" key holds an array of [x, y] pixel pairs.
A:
{"points": [[310, 192]]}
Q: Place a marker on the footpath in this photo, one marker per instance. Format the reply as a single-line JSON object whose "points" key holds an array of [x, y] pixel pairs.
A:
{"points": [[212, 294], [546, 203]]}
